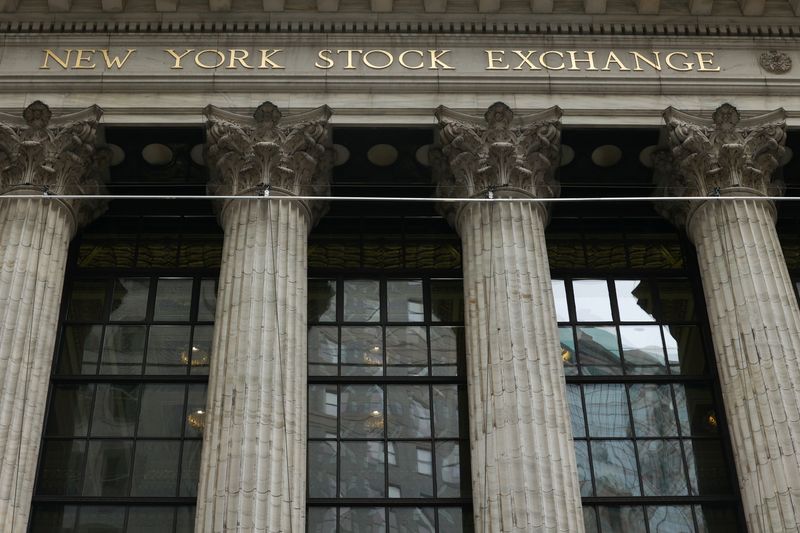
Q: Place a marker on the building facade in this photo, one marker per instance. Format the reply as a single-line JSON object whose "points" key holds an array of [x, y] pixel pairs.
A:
{"points": [[433, 266]]}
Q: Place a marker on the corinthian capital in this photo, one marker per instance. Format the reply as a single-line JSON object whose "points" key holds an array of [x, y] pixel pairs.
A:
{"points": [[54, 154], [497, 153], [288, 155], [721, 155]]}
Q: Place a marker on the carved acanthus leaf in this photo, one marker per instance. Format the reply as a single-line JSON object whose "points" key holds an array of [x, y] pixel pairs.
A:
{"points": [[57, 154], [291, 155], [704, 157]]}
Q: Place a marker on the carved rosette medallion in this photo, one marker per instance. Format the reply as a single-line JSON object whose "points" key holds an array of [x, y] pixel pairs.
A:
{"points": [[268, 152], [496, 154], [707, 157], [54, 154], [775, 62]]}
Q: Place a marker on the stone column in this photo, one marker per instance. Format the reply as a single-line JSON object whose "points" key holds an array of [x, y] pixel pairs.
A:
{"points": [[254, 443], [752, 310], [524, 475], [38, 154]]}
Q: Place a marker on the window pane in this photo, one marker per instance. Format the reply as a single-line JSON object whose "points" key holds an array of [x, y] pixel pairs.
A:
{"points": [[115, 410], [653, 415], [590, 519], [168, 350], [448, 470], [584, 470], [62, 467], [592, 303], [404, 301], [619, 519], [661, 462], [672, 519], [447, 345], [696, 411], [361, 408], [409, 411], [598, 350], [406, 351], [411, 473], [560, 300], [361, 301], [190, 468], [323, 404], [323, 350], [173, 299], [322, 469], [643, 349], [708, 471], [150, 519], [634, 300], [101, 519], [129, 300], [161, 414], [567, 340], [123, 350], [49, 518], [615, 468], [108, 468], [321, 519], [450, 520], [87, 301], [207, 300], [196, 410], [677, 301], [362, 470], [576, 410], [362, 520], [184, 519], [716, 519], [69, 410], [447, 301], [80, 349], [685, 351], [155, 468], [411, 520], [321, 300], [362, 351], [201, 349], [445, 411], [607, 410]]}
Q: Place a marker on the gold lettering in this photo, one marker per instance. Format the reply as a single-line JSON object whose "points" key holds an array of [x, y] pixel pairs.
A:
{"points": [[402, 59], [178, 57], [589, 59], [200, 64], [324, 55], [389, 59], [525, 60], [80, 58], [491, 60], [349, 65], [116, 61], [543, 60], [612, 57], [266, 62], [655, 64], [49, 54], [702, 62], [436, 60], [238, 55], [687, 65]]}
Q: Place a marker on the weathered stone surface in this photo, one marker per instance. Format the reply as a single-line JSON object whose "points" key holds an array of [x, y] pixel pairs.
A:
{"points": [[254, 451], [36, 154], [752, 310], [524, 475]]}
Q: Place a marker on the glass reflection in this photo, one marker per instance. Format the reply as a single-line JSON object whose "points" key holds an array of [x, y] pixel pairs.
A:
{"points": [[323, 350], [101, 518], [447, 344], [560, 300], [592, 303], [670, 519], [653, 415], [161, 413], [80, 350], [321, 300], [406, 350], [584, 470], [123, 350], [708, 472], [598, 350], [661, 462], [615, 469], [61, 467], [619, 519], [643, 349], [568, 356], [108, 468], [87, 301], [405, 301], [207, 301], [362, 470], [411, 520], [362, 301], [685, 350], [445, 411], [168, 350], [362, 351], [450, 520], [607, 410], [448, 469], [409, 411], [115, 410], [362, 520], [447, 301], [411, 471], [69, 410], [576, 410], [155, 468], [361, 411], [130, 299], [322, 469], [173, 299], [634, 300], [149, 519], [321, 519], [323, 404]]}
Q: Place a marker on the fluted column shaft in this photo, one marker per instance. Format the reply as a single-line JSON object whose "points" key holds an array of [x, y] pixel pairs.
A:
{"points": [[34, 240], [523, 462], [255, 440], [755, 325]]}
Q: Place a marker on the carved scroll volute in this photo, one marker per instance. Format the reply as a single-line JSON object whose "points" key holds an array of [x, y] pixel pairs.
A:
{"points": [[287, 155], [58, 154], [704, 157], [497, 152]]}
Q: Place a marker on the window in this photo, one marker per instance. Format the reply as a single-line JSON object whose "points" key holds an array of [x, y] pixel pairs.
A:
{"points": [[123, 431], [649, 429]]}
